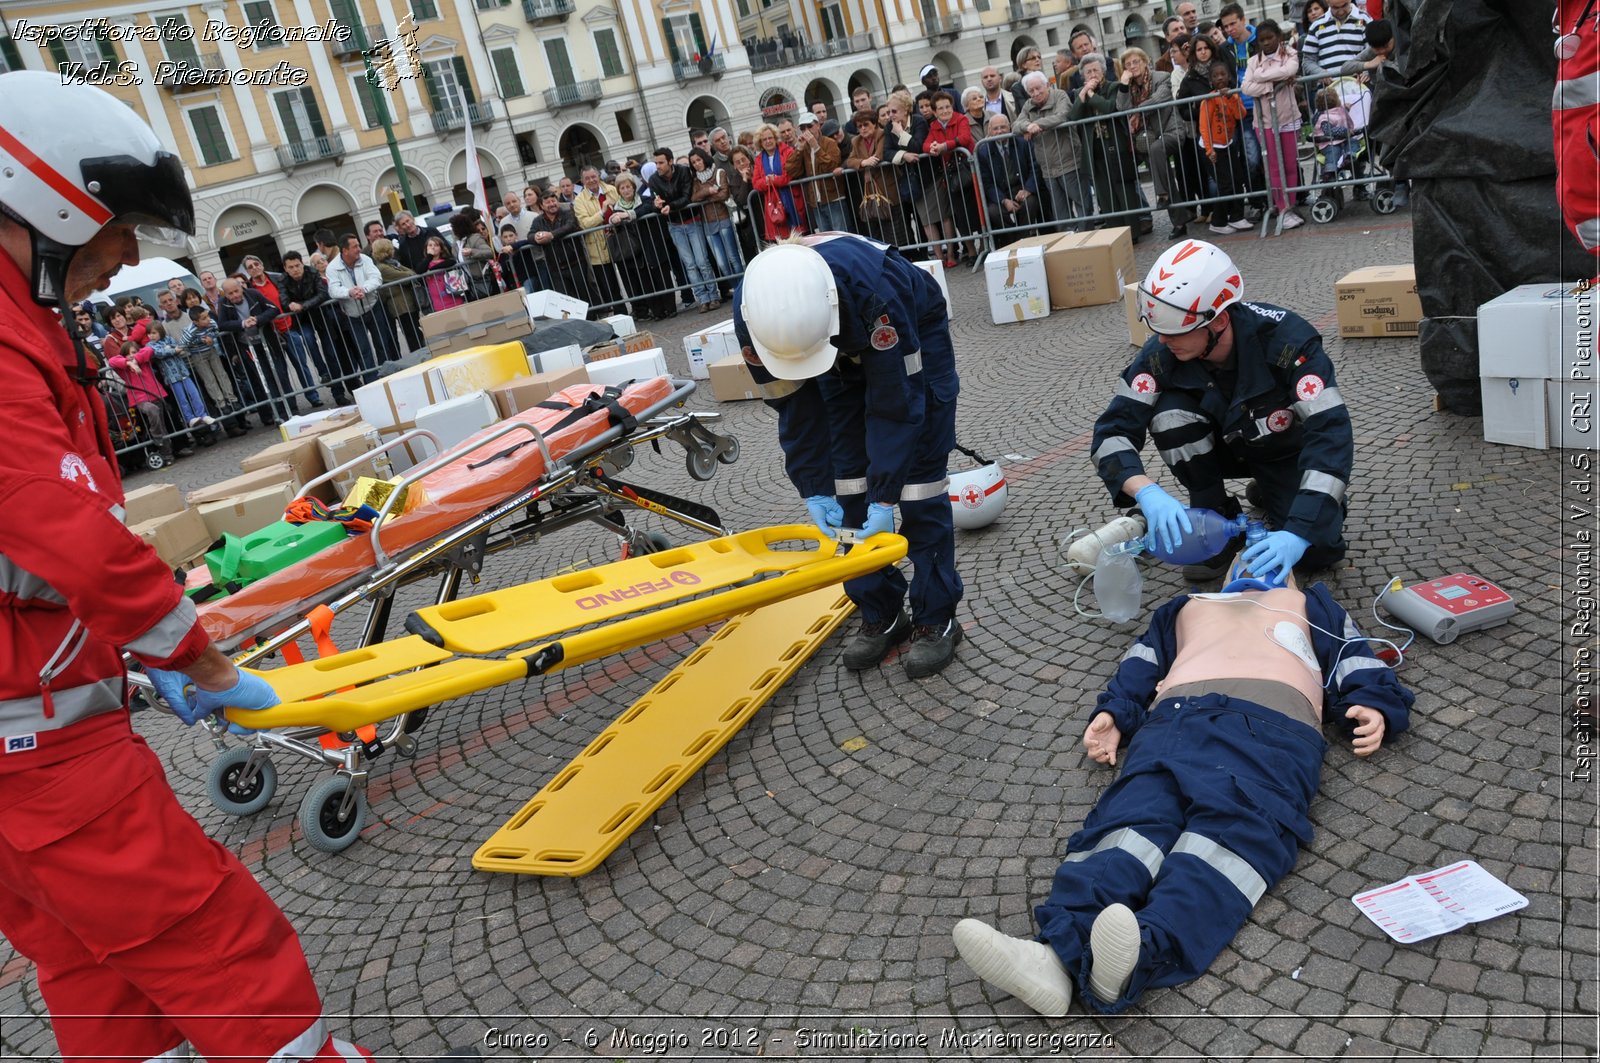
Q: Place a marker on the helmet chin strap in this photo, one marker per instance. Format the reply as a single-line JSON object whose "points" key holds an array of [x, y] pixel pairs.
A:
{"points": [[1214, 336], [51, 261]]}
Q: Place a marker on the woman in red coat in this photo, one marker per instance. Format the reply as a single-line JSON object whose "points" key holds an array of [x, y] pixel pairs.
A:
{"points": [[769, 179], [948, 131]]}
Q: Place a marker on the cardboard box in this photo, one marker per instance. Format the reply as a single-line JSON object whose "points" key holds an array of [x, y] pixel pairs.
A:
{"points": [[149, 502], [645, 365], [731, 380], [390, 404], [470, 371], [484, 322], [1530, 331], [1378, 301], [1515, 412], [250, 481], [554, 360], [639, 341], [517, 396], [1017, 286], [622, 325], [1138, 331], [175, 537], [318, 421], [456, 420], [302, 454], [350, 443], [936, 268], [553, 306], [250, 511], [713, 345], [1086, 269]]}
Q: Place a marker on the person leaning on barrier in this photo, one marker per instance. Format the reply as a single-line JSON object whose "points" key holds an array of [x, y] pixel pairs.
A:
{"points": [[816, 165], [1222, 700], [402, 294], [1109, 144], [590, 209], [947, 180], [1228, 388], [636, 241], [1157, 135], [710, 198], [851, 345], [353, 283], [1057, 152], [145, 933], [874, 150], [1028, 60], [1010, 181]]}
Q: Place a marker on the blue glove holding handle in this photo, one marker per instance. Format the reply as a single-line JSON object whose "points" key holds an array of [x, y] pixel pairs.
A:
{"points": [[880, 518], [826, 513], [1167, 517], [191, 704]]}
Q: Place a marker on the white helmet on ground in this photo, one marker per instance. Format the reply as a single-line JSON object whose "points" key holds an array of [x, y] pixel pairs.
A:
{"points": [[789, 301], [977, 496], [1189, 285]]}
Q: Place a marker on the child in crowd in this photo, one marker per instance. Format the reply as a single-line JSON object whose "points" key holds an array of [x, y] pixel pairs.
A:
{"points": [[1221, 135], [173, 369], [1270, 77], [1333, 132], [145, 394], [447, 289], [202, 342]]}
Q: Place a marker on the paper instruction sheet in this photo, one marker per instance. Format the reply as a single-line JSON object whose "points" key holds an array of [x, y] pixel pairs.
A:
{"points": [[1438, 901]]}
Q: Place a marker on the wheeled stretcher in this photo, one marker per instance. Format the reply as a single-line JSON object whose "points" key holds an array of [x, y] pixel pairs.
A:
{"points": [[462, 647]]}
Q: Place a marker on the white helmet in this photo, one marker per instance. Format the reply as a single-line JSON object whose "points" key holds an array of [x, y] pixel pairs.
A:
{"points": [[790, 305], [1190, 284], [977, 496]]}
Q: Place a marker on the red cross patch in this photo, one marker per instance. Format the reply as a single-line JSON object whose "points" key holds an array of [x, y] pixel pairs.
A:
{"points": [[1144, 384], [884, 337], [1279, 420], [1309, 387], [971, 496]]}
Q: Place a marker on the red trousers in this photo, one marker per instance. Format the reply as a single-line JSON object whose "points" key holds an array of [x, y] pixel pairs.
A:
{"points": [[145, 932]]}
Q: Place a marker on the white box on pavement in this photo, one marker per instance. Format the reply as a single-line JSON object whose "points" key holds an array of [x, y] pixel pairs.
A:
{"points": [[1515, 411], [621, 325], [936, 268], [1018, 288], [614, 372], [455, 420], [1530, 332], [712, 345], [555, 360], [553, 306]]}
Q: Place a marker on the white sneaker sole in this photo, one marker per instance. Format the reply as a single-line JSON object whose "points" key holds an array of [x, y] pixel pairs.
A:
{"points": [[1028, 970], [1114, 946]]}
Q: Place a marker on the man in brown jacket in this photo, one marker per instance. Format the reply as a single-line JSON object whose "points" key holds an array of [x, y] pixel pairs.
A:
{"points": [[818, 156]]}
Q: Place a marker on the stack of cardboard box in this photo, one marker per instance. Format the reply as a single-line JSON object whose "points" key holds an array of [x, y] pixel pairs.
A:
{"points": [[156, 513], [482, 323]]}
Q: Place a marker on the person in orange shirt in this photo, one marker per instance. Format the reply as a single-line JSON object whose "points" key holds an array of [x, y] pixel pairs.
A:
{"points": [[1221, 135]]}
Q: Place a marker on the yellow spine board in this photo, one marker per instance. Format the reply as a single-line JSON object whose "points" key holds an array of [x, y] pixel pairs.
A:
{"points": [[610, 789]]}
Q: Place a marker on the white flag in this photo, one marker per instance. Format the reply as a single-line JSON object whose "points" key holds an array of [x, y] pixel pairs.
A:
{"points": [[475, 190]]}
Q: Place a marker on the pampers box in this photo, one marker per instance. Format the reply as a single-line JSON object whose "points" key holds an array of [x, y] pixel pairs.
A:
{"points": [[1017, 287], [615, 372]]}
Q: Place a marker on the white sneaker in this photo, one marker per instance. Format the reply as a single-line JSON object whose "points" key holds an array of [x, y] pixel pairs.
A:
{"points": [[1291, 220], [1114, 946], [208, 420], [1241, 225], [1028, 970], [1225, 230]]}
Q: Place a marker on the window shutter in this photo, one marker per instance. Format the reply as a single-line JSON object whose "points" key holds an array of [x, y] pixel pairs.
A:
{"points": [[666, 29], [291, 128], [699, 34], [465, 82], [8, 48], [433, 95], [58, 52], [314, 112], [108, 54]]}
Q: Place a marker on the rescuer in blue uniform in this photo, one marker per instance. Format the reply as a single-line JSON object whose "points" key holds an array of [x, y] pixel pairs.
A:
{"points": [[851, 345], [1223, 701], [1230, 388]]}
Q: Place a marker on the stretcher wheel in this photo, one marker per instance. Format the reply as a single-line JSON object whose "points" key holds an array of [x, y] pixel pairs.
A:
{"points": [[728, 451], [153, 458], [1323, 210], [319, 815], [702, 463], [1383, 201], [229, 793]]}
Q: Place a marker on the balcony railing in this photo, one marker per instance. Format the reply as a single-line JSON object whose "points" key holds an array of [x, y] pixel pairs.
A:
{"points": [[1023, 12], [771, 55], [350, 47], [300, 152], [945, 26], [546, 10], [710, 66], [572, 95], [448, 118], [191, 72]]}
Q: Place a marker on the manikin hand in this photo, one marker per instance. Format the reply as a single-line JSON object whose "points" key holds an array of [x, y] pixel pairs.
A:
{"points": [[1101, 739], [1369, 729]]}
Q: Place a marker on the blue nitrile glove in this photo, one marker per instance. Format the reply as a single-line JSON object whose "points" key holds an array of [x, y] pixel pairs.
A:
{"points": [[1167, 517], [826, 513], [250, 692], [1273, 557], [880, 518], [170, 686]]}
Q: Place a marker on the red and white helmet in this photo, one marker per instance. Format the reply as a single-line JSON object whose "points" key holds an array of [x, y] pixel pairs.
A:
{"points": [[1189, 285], [977, 496], [74, 159]]}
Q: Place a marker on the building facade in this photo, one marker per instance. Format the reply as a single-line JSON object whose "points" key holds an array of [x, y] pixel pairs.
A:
{"points": [[270, 106]]}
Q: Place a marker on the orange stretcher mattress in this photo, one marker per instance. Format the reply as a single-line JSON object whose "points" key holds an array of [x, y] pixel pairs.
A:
{"points": [[453, 495]]}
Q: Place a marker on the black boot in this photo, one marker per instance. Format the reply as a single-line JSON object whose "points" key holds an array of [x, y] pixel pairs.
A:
{"points": [[874, 641], [932, 648]]}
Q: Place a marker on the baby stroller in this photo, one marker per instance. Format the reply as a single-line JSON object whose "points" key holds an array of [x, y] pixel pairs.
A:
{"points": [[136, 446], [1341, 151]]}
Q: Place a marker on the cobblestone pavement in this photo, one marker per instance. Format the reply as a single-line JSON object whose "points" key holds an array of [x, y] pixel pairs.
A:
{"points": [[797, 896]]}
